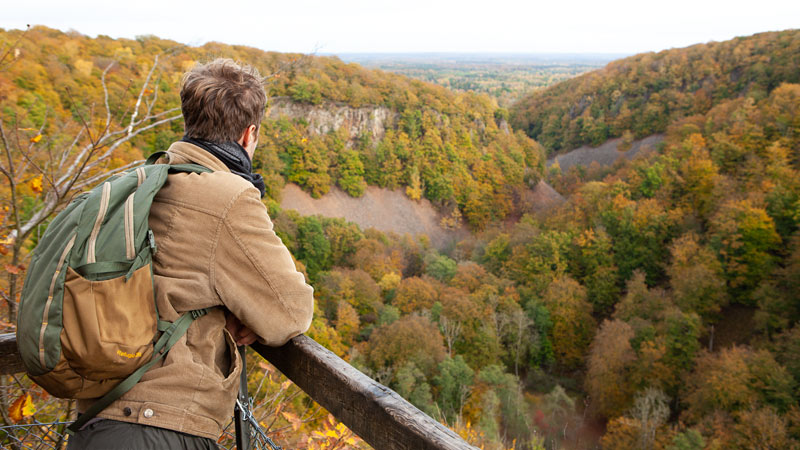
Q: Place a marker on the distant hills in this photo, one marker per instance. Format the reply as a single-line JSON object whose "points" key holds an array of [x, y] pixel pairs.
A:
{"points": [[643, 94]]}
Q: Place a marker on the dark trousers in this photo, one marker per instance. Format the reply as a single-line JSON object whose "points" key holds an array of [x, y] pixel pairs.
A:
{"points": [[111, 434]]}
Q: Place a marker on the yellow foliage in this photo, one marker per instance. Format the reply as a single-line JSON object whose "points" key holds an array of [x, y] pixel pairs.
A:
{"points": [[389, 281], [333, 436], [21, 408], [36, 184], [84, 67]]}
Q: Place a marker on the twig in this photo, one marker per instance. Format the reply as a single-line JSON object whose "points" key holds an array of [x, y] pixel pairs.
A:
{"points": [[139, 98]]}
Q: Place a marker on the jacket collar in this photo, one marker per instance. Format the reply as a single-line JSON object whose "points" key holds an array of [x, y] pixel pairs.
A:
{"points": [[184, 152]]}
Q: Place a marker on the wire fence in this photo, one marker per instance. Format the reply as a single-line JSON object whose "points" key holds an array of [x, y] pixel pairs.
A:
{"points": [[53, 436]]}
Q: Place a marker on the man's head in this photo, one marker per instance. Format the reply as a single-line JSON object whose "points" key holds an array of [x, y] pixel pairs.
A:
{"points": [[221, 101]]}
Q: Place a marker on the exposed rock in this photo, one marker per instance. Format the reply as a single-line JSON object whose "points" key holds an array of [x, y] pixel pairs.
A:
{"points": [[331, 116], [503, 125], [606, 154], [544, 197]]}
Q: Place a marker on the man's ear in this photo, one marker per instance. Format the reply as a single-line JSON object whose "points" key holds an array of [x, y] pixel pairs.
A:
{"points": [[249, 140], [250, 134]]}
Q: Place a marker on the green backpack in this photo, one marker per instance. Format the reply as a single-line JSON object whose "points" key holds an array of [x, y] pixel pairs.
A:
{"points": [[88, 323]]}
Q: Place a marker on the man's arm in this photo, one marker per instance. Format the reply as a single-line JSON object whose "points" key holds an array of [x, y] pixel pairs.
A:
{"points": [[255, 276]]}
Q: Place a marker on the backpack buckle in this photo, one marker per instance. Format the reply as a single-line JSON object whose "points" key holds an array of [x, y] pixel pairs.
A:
{"points": [[152, 240]]}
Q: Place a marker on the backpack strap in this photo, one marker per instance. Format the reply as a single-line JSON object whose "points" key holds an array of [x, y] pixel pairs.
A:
{"points": [[176, 168], [154, 157], [168, 338]]}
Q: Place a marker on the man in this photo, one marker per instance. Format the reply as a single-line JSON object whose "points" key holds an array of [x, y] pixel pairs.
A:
{"points": [[215, 249]]}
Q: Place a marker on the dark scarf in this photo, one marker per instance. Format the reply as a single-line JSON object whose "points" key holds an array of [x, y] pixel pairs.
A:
{"points": [[235, 158]]}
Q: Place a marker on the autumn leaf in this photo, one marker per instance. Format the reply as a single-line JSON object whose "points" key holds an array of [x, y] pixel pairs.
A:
{"points": [[21, 408], [12, 269], [293, 419], [304, 140], [36, 138], [36, 184], [285, 385], [5, 242]]}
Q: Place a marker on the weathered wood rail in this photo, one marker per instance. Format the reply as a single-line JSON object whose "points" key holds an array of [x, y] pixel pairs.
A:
{"points": [[373, 411]]}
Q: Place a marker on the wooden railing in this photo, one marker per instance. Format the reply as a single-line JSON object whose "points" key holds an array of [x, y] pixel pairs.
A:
{"points": [[374, 412]]}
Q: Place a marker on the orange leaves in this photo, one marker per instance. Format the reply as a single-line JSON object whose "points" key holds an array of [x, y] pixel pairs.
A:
{"points": [[36, 138], [14, 270], [293, 419], [36, 184], [22, 407]]}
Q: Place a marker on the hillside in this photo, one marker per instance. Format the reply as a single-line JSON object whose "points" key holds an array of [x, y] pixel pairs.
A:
{"points": [[645, 93], [681, 264], [454, 149]]}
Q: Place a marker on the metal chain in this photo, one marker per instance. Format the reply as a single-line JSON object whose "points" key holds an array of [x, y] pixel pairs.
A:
{"points": [[256, 429]]}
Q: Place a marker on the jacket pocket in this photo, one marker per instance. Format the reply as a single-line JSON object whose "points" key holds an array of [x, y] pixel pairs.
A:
{"points": [[235, 369]]}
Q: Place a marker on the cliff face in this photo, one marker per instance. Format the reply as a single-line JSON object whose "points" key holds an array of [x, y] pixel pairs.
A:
{"points": [[331, 116]]}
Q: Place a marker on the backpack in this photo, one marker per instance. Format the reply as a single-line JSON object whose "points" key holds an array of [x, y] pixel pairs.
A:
{"points": [[88, 324]]}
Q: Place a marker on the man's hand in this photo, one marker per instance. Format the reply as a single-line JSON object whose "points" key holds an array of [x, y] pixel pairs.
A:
{"points": [[241, 334]]}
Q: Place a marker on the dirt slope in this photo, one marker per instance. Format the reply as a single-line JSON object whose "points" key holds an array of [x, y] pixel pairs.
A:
{"points": [[382, 209], [606, 154]]}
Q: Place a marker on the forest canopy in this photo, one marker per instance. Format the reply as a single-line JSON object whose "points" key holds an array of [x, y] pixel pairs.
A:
{"points": [[643, 94]]}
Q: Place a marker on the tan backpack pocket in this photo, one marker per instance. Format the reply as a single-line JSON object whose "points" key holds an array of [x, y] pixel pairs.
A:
{"points": [[109, 325]]}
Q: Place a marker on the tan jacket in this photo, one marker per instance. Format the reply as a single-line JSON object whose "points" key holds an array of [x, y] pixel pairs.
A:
{"points": [[216, 247]]}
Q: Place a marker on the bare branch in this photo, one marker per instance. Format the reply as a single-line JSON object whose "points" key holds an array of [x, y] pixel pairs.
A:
{"points": [[162, 113], [154, 99], [31, 162], [141, 94], [80, 116], [11, 178], [10, 170], [105, 95], [68, 149], [94, 179], [128, 137]]}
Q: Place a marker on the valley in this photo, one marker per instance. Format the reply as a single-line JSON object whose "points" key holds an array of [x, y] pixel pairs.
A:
{"points": [[538, 249]]}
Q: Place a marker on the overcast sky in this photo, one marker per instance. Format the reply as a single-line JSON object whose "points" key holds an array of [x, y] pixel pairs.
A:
{"points": [[348, 26]]}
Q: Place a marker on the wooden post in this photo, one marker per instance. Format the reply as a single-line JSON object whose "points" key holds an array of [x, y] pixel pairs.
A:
{"points": [[10, 361]]}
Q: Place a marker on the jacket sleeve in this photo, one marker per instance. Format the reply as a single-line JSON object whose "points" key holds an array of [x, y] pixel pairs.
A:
{"points": [[255, 276]]}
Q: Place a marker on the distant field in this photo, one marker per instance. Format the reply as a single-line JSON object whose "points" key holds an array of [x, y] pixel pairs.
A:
{"points": [[504, 76]]}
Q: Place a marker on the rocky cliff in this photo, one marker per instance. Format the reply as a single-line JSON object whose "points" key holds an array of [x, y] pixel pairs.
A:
{"points": [[330, 116]]}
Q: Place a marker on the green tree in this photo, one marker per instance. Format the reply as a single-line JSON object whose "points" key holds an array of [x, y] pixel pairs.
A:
{"points": [[744, 237], [411, 384], [313, 248], [454, 383]]}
